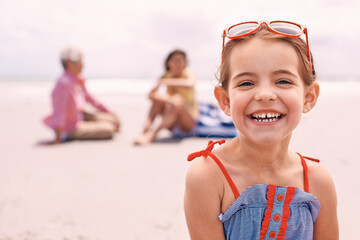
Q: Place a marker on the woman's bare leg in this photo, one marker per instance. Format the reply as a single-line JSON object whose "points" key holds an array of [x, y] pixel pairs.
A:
{"points": [[175, 112], [155, 110]]}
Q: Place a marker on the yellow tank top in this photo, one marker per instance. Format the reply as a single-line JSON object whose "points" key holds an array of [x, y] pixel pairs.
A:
{"points": [[187, 93]]}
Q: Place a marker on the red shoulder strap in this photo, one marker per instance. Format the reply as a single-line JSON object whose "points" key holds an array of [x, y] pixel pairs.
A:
{"points": [[207, 152], [306, 180]]}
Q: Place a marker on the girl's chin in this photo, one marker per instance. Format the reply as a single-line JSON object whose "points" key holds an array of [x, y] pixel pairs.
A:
{"points": [[267, 140]]}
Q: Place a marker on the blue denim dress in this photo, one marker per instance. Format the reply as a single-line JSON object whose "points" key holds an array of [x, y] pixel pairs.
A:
{"points": [[266, 211], [271, 211]]}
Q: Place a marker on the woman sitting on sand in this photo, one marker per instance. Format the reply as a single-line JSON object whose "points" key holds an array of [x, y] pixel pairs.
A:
{"points": [[178, 109], [69, 119]]}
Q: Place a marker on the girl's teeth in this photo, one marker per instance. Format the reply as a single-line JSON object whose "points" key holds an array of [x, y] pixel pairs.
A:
{"points": [[266, 117]]}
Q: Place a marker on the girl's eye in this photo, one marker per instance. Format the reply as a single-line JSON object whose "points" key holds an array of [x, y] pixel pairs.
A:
{"points": [[283, 81], [245, 84]]}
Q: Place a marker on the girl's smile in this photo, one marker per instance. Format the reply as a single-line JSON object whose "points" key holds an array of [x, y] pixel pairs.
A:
{"points": [[266, 116]]}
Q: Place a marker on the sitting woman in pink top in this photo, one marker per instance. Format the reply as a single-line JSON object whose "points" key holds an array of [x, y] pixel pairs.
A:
{"points": [[69, 119]]}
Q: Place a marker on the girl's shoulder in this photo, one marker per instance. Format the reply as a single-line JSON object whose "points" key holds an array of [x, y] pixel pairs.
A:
{"points": [[317, 173], [321, 184], [322, 187], [204, 171], [203, 179]]}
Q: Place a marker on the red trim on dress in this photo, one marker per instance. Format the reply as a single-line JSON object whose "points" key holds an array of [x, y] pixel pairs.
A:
{"points": [[207, 152], [312, 159], [269, 207], [306, 180], [286, 213]]}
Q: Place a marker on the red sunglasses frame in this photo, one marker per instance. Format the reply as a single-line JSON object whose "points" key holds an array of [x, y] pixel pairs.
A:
{"points": [[268, 25]]}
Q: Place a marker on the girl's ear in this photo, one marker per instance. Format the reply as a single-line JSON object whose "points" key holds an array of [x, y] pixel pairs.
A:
{"points": [[311, 97], [223, 99]]}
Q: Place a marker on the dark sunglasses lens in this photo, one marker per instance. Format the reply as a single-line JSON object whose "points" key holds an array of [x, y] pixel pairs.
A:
{"points": [[287, 28], [242, 29]]}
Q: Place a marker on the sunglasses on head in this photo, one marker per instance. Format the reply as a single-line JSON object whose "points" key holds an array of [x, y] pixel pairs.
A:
{"points": [[285, 28]]}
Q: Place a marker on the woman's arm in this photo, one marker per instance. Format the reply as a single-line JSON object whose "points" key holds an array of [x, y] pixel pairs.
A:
{"points": [[171, 82], [188, 82], [94, 102], [321, 185], [203, 201]]}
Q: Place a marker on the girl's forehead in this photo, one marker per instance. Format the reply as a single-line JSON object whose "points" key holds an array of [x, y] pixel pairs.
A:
{"points": [[263, 55], [256, 45]]}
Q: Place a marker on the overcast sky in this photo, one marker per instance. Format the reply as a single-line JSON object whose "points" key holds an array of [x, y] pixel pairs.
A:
{"points": [[131, 38]]}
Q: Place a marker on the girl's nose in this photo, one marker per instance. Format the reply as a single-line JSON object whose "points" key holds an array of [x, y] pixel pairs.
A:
{"points": [[265, 94]]}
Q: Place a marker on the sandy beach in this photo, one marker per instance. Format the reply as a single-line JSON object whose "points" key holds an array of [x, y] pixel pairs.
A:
{"points": [[89, 190]]}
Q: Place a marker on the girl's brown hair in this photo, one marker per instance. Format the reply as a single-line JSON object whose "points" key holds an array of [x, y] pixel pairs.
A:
{"points": [[307, 75]]}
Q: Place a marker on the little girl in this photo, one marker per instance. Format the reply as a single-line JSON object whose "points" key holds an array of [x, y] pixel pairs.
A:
{"points": [[254, 186], [177, 109]]}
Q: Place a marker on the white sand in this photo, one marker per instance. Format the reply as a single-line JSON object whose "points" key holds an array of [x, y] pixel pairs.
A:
{"points": [[114, 190]]}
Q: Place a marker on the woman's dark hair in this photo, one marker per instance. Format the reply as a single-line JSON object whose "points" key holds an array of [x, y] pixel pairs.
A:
{"points": [[171, 54]]}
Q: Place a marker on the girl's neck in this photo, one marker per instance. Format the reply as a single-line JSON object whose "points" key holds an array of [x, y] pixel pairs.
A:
{"points": [[261, 156]]}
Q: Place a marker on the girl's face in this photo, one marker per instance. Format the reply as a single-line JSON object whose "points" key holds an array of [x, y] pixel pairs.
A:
{"points": [[177, 63], [266, 96]]}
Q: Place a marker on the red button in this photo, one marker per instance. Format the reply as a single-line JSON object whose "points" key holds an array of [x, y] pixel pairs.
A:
{"points": [[281, 197], [277, 218], [272, 234]]}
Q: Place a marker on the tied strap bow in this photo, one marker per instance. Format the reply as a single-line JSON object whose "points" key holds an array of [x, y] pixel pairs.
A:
{"points": [[205, 152]]}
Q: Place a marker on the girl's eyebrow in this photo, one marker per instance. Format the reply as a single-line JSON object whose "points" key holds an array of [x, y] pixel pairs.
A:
{"points": [[244, 74], [283, 71]]}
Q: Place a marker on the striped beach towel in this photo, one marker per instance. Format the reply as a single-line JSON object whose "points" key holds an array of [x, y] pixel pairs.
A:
{"points": [[212, 122]]}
